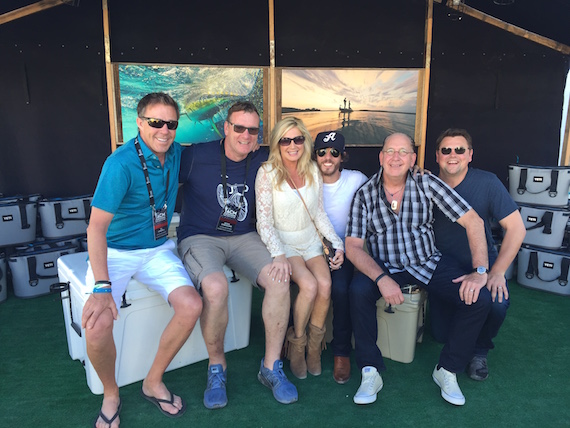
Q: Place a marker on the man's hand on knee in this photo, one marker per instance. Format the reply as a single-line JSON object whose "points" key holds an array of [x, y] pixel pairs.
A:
{"points": [[96, 304]]}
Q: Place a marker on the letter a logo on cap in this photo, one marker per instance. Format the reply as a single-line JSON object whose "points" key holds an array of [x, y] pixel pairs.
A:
{"points": [[329, 137]]}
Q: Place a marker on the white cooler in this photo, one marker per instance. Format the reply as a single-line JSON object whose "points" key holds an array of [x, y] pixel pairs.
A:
{"points": [[139, 327]]}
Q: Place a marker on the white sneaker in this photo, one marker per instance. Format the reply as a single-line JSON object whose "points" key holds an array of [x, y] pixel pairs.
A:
{"points": [[450, 390], [370, 386]]}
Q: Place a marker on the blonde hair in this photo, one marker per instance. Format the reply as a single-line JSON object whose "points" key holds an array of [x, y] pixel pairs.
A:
{"points": [[304, 165]]}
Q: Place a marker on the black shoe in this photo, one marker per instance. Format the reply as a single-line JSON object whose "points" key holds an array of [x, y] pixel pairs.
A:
{"points": [[478, 369]]}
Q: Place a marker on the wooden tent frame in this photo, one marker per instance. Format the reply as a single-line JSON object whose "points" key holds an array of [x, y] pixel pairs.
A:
{"points": [[272, 80]]}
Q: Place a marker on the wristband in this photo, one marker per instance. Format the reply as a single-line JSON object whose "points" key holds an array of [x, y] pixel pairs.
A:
{"points": [[382, 275], [103, 286]]}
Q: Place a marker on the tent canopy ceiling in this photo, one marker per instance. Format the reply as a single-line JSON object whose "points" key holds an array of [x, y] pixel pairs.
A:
{"points": [[547, 18]]}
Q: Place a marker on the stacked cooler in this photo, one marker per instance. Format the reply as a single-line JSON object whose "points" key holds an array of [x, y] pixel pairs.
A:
{"points": [[34, 233], [542, 196]]}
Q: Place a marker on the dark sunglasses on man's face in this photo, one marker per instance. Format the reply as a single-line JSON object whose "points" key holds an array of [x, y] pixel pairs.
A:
{"points": [[297, 140], [334, 152], [458, 150], [159, 123], [240, 129]]}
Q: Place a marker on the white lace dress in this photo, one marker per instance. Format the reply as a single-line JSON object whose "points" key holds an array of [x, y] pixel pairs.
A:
{"points": [[282, 220]]}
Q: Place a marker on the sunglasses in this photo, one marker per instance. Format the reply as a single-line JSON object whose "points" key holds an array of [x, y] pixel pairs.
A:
{"points": [[297, 140], [240, 129], [334, 152], [458, 150], [159, 123]]}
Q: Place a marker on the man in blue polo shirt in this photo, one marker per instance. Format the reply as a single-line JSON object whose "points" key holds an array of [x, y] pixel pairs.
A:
{"points": [[127, 238]]}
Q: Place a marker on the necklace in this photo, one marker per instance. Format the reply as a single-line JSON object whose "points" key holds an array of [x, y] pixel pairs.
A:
{"points": [[394, 203]]}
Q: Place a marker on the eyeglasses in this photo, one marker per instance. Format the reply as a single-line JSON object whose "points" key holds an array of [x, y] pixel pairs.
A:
{"points": [[159, 123], [392, 152], [297, 140], [458, 150], [334, 152], [240, 129]]}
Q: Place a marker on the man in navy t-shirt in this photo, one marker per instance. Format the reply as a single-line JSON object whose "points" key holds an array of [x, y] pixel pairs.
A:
{"points": [[216, 229], [490, 199]]}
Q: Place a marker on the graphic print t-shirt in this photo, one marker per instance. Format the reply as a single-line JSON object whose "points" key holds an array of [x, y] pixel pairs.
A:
{"points": [[203, 193]]}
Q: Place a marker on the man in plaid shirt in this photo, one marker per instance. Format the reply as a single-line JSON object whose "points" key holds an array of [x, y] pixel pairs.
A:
{"points": [[392, 214]]}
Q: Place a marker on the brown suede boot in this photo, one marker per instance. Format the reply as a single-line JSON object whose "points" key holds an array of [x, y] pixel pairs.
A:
{"points": [[296, 353], [315, 345]]}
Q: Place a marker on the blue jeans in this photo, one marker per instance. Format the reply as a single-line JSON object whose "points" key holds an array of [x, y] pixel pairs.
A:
{"points": [[464, 329], [342, 324], [441, 316]]}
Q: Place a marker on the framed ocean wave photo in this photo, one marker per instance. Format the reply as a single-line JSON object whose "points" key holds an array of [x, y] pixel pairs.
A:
{"points": [[204, 95]]}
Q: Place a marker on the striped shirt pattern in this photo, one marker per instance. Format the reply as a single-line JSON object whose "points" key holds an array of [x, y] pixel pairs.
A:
{"points": [[404, 242]]}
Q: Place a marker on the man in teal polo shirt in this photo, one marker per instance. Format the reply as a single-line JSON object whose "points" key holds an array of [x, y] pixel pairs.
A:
{"points": [[127, 238]]}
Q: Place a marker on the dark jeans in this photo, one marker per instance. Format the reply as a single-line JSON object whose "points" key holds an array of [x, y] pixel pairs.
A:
{"points": [[441, 316], [464, 329], [342, 324]]}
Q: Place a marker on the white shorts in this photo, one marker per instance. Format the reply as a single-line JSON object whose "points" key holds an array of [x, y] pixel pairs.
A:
{"points": [[159, 268]]}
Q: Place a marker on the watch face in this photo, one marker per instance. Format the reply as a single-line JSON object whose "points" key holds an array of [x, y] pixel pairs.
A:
{"points": [[481, 270]]}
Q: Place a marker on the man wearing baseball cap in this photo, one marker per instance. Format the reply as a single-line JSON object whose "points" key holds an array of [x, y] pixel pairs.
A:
{"points": [[339, 187]]}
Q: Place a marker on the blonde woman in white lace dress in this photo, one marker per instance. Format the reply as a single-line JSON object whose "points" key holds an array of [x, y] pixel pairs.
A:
{"points": [[288, 232]]}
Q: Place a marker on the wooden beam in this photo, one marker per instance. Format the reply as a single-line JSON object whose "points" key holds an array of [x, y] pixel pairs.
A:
{"points": [[272, 86], [30, 9], [467, 10], [109, 73], [565, 158], [423, 92]]}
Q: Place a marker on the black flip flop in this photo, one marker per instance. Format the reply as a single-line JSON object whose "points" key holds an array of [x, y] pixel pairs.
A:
{"points": [[108, 421], [157, 401]]}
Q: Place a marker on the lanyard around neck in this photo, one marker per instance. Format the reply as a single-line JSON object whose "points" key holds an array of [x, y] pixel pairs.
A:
{"points": [[147, 178], [224, 178]]}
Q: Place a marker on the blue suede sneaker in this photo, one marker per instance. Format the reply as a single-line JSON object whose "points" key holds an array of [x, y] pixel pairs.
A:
{"points": [[215, 394], [276, 380]]}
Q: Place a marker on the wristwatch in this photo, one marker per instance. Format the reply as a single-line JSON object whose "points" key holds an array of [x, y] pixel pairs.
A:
{"points": [[481, 270]]}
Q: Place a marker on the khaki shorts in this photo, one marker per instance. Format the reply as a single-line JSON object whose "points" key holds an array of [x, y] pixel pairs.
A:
{"points": [[203, 255]]}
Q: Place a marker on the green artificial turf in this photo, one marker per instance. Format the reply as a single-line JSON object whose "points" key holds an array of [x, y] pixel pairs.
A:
{"points": [[529, 383]]}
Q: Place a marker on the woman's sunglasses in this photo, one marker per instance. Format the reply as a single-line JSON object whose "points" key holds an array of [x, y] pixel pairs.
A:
{"points": [[297, 140], [334, 152]]}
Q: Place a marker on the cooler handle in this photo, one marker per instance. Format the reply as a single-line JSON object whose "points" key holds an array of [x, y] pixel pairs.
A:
{"points": [[60, 287], [59, 219], [33, 275], [552, 192], [23, 214], [545, 221], [533, 269]]}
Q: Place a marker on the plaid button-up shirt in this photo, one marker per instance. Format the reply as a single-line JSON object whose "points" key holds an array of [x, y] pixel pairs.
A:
{"points": [[404, 241]]}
